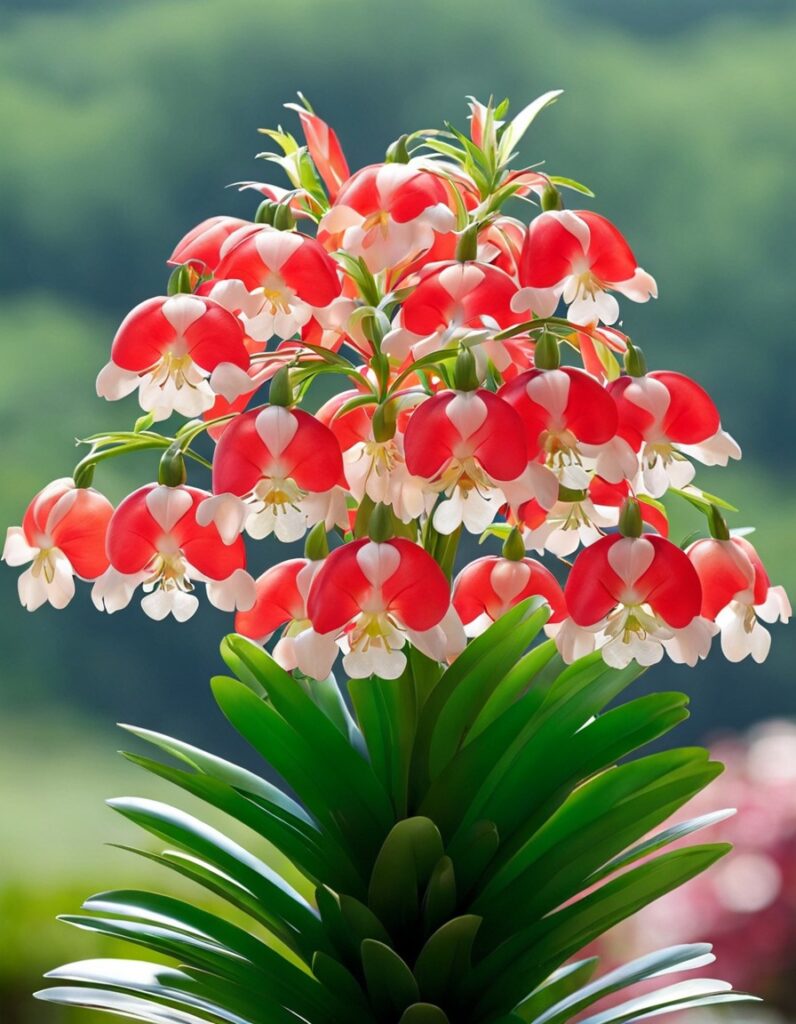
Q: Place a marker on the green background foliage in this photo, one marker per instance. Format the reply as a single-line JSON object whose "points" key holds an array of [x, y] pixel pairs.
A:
{"points": [[122, 122]]}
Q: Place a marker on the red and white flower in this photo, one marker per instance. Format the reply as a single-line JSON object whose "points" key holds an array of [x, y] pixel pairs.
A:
{"points": [[278, 280], [155, 541], [63, 536], [388, 213], [275, 470], [281, 603], [582, 258], [178, 351], [568, 418], [634, 598], [450, 302], [202, 245], [375, 597], [470, 447], [488, 587], [736, 594], [665, 417]]}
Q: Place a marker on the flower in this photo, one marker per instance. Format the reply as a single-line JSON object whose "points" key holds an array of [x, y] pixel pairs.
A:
{"points": [[375, 597], [202, 244], [281, 601], [275, 470], [470, 446], [387, 213], [277, 279], [488, 587], [665, 416], [583, 258], [736, 594], [63, 536], [167, 348], [155, 541], [633, 598]]}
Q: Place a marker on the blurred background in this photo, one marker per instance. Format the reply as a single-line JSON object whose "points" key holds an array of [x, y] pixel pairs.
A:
{"points": [[121, 123]]}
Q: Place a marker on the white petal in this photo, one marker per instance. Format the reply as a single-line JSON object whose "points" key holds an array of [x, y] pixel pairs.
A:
{"points": [[167, 505], [376, 661], [776, 607], [315, 653], [161, 603], [230, 381], [378, 562], [690, 644], [276, 427], [114, 590], [227, 511], [236, 592], [16, 550], [114, 383]]}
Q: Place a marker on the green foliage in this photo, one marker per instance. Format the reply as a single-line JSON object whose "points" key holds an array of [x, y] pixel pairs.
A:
{"points": [[452, 882]]}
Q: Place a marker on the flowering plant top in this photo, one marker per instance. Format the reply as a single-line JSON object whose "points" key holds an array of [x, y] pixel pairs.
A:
{"points": [[487, 389]]}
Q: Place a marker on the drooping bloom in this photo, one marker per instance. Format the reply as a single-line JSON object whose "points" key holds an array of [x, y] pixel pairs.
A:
{"points": [[176, 350], [388, 213], [375, 468], [278, 280], [63, 536], [470, 447], [449, 302], [736, 594], [281, 601], [664, 417], [275, 470], [583, 258], [568, 419], [201, 246], [375, 597], [634, 597], [488, 587], [155, 541]]}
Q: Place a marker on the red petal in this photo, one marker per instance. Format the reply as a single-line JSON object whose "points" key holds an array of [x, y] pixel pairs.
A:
{"points": [[81, 533], [610, 256], [202, 244], [326, 152], [278, 601]]}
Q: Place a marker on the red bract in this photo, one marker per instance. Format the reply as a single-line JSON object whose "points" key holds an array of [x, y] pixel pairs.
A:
{"points": [[634, 597], [275, 470], [736, 593], [666, 416], [375, 597], [568, 418], [488, 587], [281, 601], [282, 278], [324, 148], [202, 244], [63, 535], [387, 213], [154, 540], [449, 302], [470, 447], [178, 351], [583, 258]]}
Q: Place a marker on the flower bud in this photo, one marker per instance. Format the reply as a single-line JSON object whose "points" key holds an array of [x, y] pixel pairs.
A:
{"points": [[84, 474], [718, 524], [467, 245], [546, 355], [265, 212], [630, 521], [181, 280], [283, 218], [172, 471], [514, 546], [635, 363], [316, 546], [380, 524], [397, 152], [384, 422], [281, 390], [551, 199], [465, 374]]}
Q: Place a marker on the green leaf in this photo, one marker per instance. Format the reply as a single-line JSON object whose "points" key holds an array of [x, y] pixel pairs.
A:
{"points": [[474, 853], [402, 871], [446, 958], [519, 125], [423, 1013], [560, 985], [391, 985], [570, 183], [439, 902]]}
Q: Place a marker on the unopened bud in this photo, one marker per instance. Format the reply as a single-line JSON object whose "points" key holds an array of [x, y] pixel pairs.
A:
{"points": [[514, 546], [181, 280], [380, 524], [316, 546], [551, 199], [630, 522], [281, 390], [718, 524], [265, 212], [384, 422], [635, 363], [283, 218], [397, 152], [570, 494], [465, 374], [546, 354], [467, 245], [84, 474], [172, 471]]}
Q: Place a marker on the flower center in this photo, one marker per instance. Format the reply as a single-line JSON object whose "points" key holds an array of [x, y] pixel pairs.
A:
{"points": [[173, 366], [560, 448], [276, 300], [44, 564], [375, 629], [635, 621], [168, 571], [467, 475], [378, 221], [279, 494]]}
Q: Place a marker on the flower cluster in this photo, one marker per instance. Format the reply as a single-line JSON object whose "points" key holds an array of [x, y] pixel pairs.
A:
{"points": [[486, 390]]}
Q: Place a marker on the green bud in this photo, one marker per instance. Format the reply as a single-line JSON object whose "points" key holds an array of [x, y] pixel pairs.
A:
{"points": [[630, 521], [635, 363], [718, 524], [316, 547], [569, 494], [266, 212], [372, 328], [84, 474], [384, 422], [546, 354], [180, 280], [172, 471], [552, 198], [465, 375], [283, 218], [514, 546], [467, 245], [397, 152], [281, 390], [380, 525]]}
